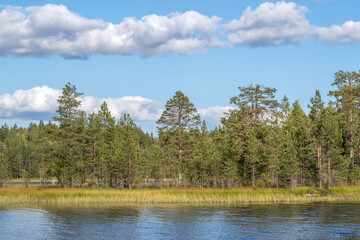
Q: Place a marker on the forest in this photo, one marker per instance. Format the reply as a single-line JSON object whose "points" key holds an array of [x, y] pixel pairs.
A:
{"points": [[262, 142]]}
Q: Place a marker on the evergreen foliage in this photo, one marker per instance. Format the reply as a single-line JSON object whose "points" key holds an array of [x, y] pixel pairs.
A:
{"points": [[260, 143], [175, 125]]}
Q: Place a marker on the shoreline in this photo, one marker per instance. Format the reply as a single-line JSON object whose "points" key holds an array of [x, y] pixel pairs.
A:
{"points": [[52, 195]]}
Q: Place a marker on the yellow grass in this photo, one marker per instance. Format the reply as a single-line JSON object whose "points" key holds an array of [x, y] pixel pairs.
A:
{"points": [[56, 195]]}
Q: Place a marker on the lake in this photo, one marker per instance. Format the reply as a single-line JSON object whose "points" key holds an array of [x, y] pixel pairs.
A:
{"points": [[272, 221]]}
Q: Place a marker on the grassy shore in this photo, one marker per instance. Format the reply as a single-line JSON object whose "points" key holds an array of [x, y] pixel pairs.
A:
{"points": [[55, 195]]}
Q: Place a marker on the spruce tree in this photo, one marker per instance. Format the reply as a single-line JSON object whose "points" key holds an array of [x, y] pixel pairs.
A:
{"points": [[332, 136], [252, 155], [93, 134], [316, 109], [154, 162], [68, 113], [106, 147], [297, 141], [4, 164], [128, 149]]}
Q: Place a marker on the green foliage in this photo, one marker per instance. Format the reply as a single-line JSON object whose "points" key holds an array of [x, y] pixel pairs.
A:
{"points": [[317, 132], [180, 114], [127, 144], [67, 150], [176, 122], [260, 143], [347, 97], [256, 99]]}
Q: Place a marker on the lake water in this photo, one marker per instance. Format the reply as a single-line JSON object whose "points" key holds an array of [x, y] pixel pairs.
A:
{"points": [[273, 221]]}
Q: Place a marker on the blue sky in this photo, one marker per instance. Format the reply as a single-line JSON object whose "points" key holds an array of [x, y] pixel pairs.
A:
{"points": [[204, 48]]}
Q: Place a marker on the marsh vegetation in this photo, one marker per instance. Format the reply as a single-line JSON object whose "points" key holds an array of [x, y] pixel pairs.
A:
{"points": [[56, 195]]}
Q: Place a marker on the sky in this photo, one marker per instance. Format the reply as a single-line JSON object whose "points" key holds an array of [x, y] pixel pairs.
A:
{"points": [[136, 54]]}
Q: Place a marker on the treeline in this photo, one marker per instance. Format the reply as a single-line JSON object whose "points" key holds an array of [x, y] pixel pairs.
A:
{"points": [[262, 142]]}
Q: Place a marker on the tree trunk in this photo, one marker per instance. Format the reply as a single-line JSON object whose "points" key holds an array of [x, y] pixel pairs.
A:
{"points": [[253, 172], [359, 143], [277, 161], [247, 123], [253, 109], [180, 150], [319, 161], [130, 171], [302, 171], [94, 159], [256, 110], [329, 168], [351, 144]]}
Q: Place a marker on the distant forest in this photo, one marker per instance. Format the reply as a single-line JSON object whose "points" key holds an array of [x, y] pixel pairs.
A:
{"points": [[261, 143]]}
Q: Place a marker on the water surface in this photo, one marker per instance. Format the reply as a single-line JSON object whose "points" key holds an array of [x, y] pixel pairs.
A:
{"points": [[273, 221]]}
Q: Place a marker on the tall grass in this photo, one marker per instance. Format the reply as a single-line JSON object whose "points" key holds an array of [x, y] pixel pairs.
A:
{"points": [[55, 195]]}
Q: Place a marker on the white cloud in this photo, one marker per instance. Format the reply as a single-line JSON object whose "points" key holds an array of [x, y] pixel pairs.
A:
{"points": [[139, 108], [271, 24], [274, 24], [54, 30], [40, 103], [34, 103], [349, 32], [213, 115]]}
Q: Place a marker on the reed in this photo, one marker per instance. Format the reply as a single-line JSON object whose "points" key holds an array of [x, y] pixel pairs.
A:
{"points": [[55, 195]]}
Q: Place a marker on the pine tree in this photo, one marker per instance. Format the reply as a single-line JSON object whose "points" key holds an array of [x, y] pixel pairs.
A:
{"points": [[246, 124], [179, 117], [347, 96], [256, 100]]}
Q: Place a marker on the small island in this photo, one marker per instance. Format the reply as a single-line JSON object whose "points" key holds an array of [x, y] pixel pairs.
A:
{"points": [[180, 119]]}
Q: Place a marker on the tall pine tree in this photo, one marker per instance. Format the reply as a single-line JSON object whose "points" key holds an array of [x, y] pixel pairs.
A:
{"points": [[179, 117]]}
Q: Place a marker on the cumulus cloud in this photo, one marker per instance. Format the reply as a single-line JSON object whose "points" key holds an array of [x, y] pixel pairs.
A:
{"points": [[40, 103], [281, 23], [55, 30], [349, 32], [35, 103], [213, 115], [271, 24], [139, 108]]}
